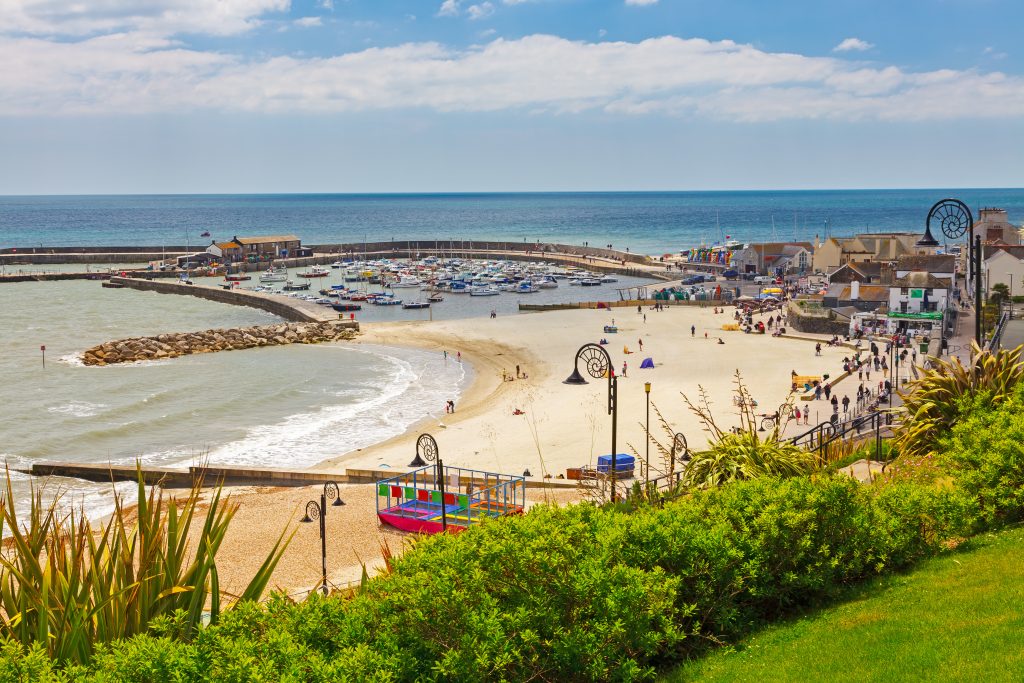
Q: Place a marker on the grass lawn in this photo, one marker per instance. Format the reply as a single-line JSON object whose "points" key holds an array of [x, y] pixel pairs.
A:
{"points": [[959, 617]]}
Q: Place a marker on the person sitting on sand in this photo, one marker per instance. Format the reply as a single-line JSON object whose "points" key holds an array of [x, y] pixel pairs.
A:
{"points": [[518, 412], [720, 341]]}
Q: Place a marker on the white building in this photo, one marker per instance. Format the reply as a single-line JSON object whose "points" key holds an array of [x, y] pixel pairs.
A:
{"points": [[919, 292], [1003, 267]]}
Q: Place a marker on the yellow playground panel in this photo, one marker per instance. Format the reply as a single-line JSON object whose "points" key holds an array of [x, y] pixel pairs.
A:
{"points": [[802, 382]]}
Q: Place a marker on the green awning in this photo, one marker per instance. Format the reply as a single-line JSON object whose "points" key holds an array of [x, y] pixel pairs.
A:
{"points": [[931, 315]]}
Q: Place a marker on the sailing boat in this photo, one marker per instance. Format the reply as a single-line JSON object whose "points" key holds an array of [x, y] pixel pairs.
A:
{"points": [[205, 233]]}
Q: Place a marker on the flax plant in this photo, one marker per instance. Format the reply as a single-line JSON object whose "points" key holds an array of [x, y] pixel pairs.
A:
{"points": [[933, 403], [742, 453], [69, 585]]}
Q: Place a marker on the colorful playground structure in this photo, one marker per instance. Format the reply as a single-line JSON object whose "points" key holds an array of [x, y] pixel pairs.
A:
{"points": [[437, 498]]}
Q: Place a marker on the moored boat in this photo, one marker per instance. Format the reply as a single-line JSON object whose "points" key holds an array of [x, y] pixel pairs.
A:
{"points": [[315, 271]]}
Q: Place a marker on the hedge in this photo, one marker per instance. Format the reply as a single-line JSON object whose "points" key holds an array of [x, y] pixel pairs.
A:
{"points": [[575, 593]]}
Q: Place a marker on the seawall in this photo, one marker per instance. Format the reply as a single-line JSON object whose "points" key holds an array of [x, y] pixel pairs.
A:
{"points": [[210, 475], [294, 310]]}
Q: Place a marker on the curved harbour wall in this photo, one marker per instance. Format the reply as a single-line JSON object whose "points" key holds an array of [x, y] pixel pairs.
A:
{"points": [[289, 309]]}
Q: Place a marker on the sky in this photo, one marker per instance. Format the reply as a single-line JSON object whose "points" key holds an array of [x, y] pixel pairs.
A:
{"points": [[251, 96]]}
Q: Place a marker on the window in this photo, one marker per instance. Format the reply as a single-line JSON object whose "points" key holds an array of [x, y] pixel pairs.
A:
{"points": [[903, 291], [928, 292], [903, 307]]}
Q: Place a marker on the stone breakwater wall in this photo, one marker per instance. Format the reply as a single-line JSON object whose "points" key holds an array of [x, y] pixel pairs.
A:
{"points": [[176, 344], [289, 309]]}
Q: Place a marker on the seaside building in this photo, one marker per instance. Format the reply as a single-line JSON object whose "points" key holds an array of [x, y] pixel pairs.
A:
{"points": [[831, 253], [864, 272], [846, 298], [261, 248], [1004, 264], [995, 228], [773, 258], [940, 265]]}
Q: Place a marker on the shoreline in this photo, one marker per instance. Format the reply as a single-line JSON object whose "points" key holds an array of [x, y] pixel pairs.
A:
{"points": [[484, 382]]}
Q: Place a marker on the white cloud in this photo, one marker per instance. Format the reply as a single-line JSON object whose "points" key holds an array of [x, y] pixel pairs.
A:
{"points": [[853, 45], [326, 4], [306, 22], [134, 73], [481, 11], [448, 8], [160, 17], [641, 3]]}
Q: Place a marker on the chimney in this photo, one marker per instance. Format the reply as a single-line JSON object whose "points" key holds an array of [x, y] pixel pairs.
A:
{"points": [[854, 290]]}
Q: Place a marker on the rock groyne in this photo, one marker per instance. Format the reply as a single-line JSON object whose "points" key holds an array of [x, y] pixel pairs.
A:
{"points": [[175, 344]]}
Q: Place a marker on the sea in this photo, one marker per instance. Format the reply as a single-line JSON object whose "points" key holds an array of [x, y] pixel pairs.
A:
{"points": [[645, 222], [298, 405]]}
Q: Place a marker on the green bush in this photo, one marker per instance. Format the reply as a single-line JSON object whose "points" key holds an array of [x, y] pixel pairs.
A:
{"points": [[577, 593], [984, 452]]}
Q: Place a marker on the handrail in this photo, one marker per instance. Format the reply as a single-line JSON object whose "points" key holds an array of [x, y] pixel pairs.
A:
{"points": [[997, 335]]}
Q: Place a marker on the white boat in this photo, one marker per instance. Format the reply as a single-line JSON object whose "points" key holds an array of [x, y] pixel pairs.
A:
{"points": [[547, 282], [272, 274], [483, 291], [590, 282], [339, 264], [526, 287], [609, 278], [405, 281]]}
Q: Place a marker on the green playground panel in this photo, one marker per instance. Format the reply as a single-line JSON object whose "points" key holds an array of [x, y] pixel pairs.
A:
{"points": [[410, 492], [463, 500], [435, 497], [382, 489]]}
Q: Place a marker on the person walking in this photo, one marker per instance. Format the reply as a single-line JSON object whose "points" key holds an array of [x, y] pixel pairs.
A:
{"points": [[640, 343], [624, 367], [828, 391], [835, 403], [846, 404], [817, 349], [807, 415], [693, 330]]}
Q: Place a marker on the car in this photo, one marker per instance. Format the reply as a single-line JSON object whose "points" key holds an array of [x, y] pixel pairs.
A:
{"points": [[731, 274]]}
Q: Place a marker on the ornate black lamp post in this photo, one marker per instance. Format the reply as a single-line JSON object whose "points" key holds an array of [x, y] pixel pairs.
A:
{"points": [[955, 219], [647, 454], [427, 451], [598, 363], [680, 448], [318, 511]]}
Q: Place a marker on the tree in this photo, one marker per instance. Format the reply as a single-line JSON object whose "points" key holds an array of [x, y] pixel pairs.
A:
{"points": [[1000, 293]]}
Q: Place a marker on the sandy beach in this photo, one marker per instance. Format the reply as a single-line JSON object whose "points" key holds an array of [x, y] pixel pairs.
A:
{"points": [[562, 425]]}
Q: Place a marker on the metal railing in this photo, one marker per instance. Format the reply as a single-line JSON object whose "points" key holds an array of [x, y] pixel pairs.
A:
{"points": [[997, 336]]}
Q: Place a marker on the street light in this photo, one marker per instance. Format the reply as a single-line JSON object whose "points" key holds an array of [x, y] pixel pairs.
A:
{"points": [[318, 511], [679, 445], [427, 451], [598, 363], [647, 456]]}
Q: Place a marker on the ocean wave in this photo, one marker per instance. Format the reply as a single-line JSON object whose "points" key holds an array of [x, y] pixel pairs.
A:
{"points": [[78, 409], [376, 410]]}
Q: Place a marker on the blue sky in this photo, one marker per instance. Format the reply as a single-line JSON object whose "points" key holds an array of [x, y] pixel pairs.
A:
{"points": [[125, 96]]}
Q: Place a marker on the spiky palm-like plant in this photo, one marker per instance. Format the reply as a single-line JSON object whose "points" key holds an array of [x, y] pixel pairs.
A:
{"points": [[742, 453], [932, 403], [69, 585]]}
